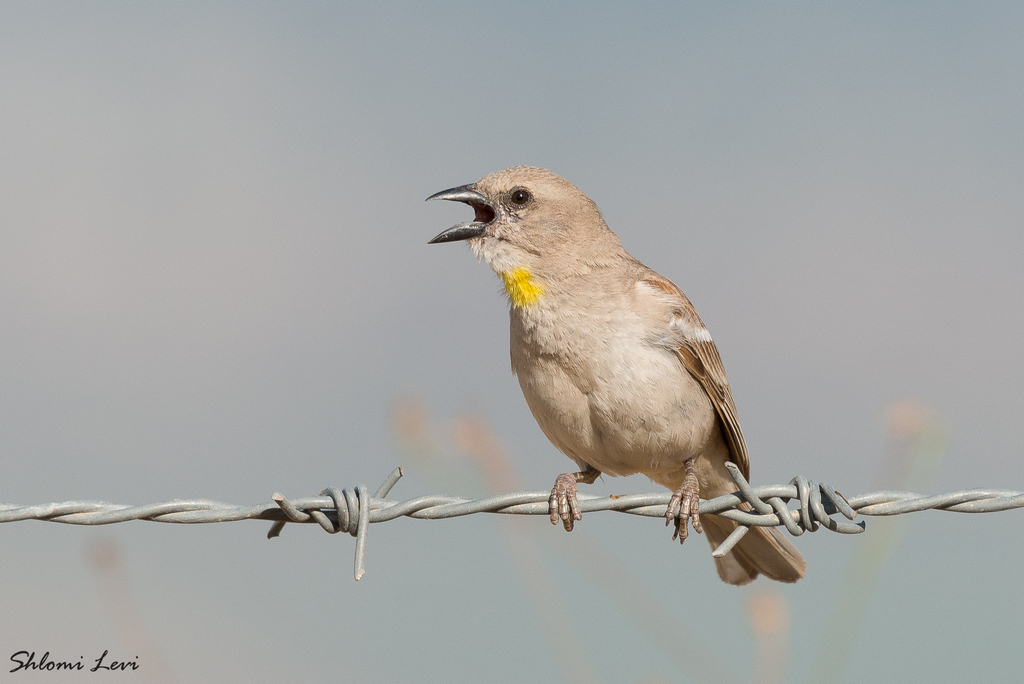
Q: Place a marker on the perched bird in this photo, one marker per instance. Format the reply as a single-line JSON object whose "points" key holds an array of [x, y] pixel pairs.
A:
{"points": [[616, 366]]}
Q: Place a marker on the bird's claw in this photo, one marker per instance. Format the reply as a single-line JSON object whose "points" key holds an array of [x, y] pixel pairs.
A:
{"points": [[563, 504], [683, 507]]}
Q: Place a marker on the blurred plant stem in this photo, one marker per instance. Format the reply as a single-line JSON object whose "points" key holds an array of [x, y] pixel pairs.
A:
{"points": [[915, 445], [769, 618], [104, 557]]}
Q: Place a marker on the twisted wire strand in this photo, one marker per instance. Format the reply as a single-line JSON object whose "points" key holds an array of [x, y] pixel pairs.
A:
{"points": [[344, 510]]}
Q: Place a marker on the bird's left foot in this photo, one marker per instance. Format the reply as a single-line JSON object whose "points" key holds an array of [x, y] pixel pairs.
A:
{"points": [[684, 505]]}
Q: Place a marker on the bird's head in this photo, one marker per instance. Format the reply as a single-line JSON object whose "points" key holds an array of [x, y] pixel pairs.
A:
{"points": [[531, 221]]}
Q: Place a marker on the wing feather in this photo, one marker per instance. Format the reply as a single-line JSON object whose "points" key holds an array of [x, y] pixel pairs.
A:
{"points": [[699, 355]]}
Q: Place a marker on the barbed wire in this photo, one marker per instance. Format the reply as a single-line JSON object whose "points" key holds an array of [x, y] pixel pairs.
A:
{"points": [[344, 510]]}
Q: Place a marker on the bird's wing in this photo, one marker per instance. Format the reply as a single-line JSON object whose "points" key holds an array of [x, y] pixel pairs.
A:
{"points": [[693, 345]]}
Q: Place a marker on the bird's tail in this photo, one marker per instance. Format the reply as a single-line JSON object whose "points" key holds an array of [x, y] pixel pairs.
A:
{"points": [[763, 550]]}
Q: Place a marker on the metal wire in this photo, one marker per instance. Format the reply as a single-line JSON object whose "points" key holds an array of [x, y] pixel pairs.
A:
{"points": [[352, 511]]}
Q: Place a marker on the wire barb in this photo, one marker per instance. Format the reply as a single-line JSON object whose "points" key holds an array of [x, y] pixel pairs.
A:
{"points": [[351, 514], [344, 510]]}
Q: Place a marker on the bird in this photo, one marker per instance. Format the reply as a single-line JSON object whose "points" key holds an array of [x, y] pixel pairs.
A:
{"points": [[616, 366]]}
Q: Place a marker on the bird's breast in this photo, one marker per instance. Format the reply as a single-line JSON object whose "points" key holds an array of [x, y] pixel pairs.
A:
{"points": [[601, 392]]}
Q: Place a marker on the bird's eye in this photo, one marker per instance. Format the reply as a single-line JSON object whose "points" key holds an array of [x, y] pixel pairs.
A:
{"points": [[520, 196]]}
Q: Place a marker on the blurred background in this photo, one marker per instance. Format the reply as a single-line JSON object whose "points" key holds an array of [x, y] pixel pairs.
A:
{"points": [[215, 283]]}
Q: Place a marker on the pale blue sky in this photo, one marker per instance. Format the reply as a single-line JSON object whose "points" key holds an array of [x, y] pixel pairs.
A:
{"points": [[214, 282]]}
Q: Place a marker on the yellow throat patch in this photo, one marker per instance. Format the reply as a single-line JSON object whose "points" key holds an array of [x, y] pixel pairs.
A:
{"points": [[522, 289]]}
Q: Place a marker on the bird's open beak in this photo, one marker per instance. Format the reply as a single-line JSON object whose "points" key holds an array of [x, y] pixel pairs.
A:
{"points": [[463, 231]]}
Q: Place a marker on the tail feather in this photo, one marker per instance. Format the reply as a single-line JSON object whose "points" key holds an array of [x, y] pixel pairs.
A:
{"points": [[763, 550]]}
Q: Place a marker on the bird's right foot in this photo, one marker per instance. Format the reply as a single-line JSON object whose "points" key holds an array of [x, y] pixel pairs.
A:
{"points": [[563, 503]]}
